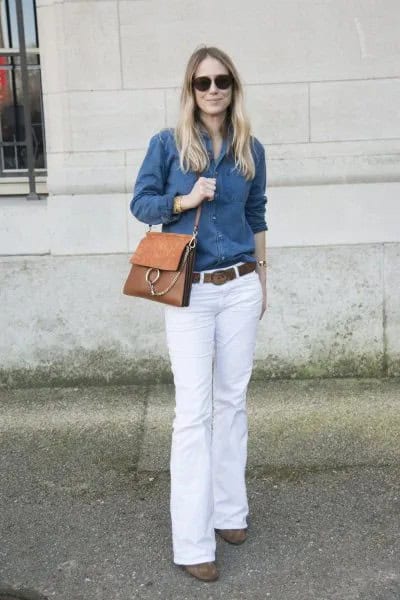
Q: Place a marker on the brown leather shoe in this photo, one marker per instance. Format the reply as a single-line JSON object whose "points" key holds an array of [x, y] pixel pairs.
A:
{"points": [[233, 536], [204, 571]]}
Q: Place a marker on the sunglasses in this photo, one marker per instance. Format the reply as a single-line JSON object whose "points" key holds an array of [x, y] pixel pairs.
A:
{"points": [[222, 82]]}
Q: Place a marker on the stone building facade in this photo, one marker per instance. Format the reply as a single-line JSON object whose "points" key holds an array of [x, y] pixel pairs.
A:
{"points": [[322, 83]]}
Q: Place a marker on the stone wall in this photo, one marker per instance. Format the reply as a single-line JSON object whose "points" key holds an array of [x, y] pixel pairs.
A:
{"points": [[333, 311], [322, 85]]}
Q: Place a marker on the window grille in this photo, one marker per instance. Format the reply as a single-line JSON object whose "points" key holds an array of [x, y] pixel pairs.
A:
{"points": [[22, 139]]}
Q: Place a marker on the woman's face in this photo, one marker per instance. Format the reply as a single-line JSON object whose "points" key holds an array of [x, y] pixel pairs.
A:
{"points": [[213, 101]]}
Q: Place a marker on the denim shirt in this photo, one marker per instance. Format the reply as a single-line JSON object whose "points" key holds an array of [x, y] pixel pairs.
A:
{"points": [[227, 223]]}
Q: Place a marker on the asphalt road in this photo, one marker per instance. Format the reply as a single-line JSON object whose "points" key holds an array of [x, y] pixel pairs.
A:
{"points": [[84, 495]]}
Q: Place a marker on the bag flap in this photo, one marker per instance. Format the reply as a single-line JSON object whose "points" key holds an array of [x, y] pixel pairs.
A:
{"points": [[161, 250]]}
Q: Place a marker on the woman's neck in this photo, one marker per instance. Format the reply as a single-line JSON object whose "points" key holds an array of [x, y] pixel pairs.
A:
{"points": [[215, 125]]}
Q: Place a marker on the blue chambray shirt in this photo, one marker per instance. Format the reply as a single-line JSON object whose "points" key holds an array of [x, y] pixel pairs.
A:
{"points": [[227, 223]]}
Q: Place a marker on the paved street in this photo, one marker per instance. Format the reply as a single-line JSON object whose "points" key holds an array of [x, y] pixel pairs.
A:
{"points": [[84, 494]]}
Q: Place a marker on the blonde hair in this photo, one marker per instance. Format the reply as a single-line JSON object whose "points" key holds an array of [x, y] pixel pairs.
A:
{"points": [[192, 153]]}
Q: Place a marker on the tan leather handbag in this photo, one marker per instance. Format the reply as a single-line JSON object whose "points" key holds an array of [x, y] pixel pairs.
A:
{"points": [[162, 266]]}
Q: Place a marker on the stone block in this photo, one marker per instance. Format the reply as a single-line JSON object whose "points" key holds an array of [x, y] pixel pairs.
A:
{"points": [[86, 172], [88, 224], [57, 122], [96, 65], [114, 120], [392, 308], [278, 113], [23, 226], [172, 96], [285, 41], [321, 215], [355, 110], [52, 51], [325, 312], [156, 42], [367, 161], [75, 324], [133, 161]]}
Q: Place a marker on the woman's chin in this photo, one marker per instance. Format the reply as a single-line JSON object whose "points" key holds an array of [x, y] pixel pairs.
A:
{"points": [[214, 111]]}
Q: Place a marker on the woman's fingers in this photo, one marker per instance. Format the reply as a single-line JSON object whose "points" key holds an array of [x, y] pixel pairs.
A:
{"points": [[207, 187], [203, 189]]}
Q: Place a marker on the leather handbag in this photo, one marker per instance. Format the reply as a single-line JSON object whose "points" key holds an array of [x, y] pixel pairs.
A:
{"points": [[162, 266]]}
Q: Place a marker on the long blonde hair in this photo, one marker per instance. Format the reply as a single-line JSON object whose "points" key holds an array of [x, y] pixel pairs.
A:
{"points": [[192, 153]]}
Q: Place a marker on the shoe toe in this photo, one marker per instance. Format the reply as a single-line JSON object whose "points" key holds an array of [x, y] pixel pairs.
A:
{"points": [[204, 571], [233, 536]]}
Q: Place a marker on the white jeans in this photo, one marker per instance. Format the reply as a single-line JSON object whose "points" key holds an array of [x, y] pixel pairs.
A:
{"points": [[211, 346]]}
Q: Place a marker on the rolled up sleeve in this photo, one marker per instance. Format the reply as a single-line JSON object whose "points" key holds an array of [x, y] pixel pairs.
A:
{"points": [[256, 202], [149, 203]]}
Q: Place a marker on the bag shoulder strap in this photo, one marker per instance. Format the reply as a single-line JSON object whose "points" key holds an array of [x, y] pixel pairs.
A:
{"points": [[197, 219]]}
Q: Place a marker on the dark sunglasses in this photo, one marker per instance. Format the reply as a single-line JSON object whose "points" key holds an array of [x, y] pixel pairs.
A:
{"points": [[202, 84]]}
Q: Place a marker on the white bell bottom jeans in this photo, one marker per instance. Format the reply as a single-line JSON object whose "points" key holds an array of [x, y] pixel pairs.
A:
{"points": [[211, 346]]}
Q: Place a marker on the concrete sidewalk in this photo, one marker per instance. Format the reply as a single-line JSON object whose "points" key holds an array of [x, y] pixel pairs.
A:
{"points": [[84, 494]]}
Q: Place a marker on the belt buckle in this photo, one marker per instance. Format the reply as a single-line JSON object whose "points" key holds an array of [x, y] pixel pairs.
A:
{"points": [[218, 277]]}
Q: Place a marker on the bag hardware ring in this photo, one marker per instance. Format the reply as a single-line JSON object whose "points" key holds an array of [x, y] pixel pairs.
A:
{"points": [[151, 282]]}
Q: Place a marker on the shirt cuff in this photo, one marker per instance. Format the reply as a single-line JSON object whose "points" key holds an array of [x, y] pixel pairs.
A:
{"points": [[259, 228], [167, 214]]}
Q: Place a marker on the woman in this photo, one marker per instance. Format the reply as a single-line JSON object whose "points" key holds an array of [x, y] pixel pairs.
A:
{"points": [[211, 342]]}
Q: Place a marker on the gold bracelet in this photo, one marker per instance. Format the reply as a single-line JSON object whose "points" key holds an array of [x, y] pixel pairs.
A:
{"points": [[178, 204], [262, 263]]}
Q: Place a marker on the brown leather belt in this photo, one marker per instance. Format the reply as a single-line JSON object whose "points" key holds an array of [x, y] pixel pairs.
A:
{"points": [[224, 275]]}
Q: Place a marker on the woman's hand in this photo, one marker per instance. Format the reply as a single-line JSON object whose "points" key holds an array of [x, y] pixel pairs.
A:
{"points": [[203, 189], [262, 274]]}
